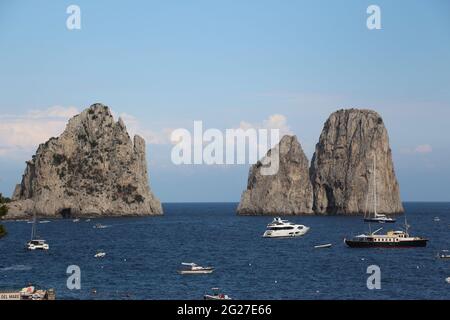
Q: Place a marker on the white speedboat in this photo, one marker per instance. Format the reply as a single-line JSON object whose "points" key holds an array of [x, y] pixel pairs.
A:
{"points": [[192, 268], [279, 228], [216, 295], [100, 254], [76, 220]]}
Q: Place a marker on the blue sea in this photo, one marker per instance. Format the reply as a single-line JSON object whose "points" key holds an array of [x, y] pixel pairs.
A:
{"points": [[144, 254]]}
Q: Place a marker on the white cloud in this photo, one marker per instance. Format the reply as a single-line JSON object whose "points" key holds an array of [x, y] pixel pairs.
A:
{"points": [[21, 134], [423, 148], [134, 127]]}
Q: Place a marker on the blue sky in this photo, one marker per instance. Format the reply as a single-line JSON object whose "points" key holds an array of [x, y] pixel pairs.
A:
{"points": [[164, 64]]}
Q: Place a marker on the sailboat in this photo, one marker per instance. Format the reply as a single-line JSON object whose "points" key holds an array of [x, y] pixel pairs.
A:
{"points": [[377, 217], [34, 243]]}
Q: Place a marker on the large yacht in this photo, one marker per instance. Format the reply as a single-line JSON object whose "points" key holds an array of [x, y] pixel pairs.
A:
{"points": [[392, 239], [279, 228]]}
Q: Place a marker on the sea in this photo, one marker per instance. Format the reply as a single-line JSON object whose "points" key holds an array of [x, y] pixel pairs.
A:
{"points": [[144, 254]]}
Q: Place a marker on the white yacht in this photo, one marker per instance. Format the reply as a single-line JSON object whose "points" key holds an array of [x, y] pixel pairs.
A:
{"points": [[279, 228], [193, 268], [100, 254]]}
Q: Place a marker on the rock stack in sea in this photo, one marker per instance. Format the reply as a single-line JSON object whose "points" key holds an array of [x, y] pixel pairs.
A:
{"points": [[287, 192], [340, 177], [342, 165], [92, 169]]}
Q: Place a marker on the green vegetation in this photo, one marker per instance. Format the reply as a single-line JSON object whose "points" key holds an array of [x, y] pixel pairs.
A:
{"points": [[3, 212]]}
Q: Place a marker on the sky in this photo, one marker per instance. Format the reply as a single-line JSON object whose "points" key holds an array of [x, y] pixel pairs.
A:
{"points": [[161, 65]]}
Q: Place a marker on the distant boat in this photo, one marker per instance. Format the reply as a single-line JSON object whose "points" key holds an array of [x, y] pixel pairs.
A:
{"points": [[437, 219], [377, 217], [216, 295], [44, 221], [322, 246], [28, 293], [76, 220], [444, 254], [88, 220], [193, 268], [100, 254], [34, 243], [279, 228], [447, 280], [99, 226]]}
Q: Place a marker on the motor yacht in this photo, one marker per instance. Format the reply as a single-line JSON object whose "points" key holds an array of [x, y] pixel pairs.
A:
{"points": [[279, 228]]}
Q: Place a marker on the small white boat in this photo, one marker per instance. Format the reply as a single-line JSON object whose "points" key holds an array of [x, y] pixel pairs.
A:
{"points": [[322, 246], [444, 254], [279, 228], [437, 219], [44, 221], [99, 226], [76, 220], [193, 268], [100, 255], [447, 279], [216, 295], [88, 220], [37, 245]]}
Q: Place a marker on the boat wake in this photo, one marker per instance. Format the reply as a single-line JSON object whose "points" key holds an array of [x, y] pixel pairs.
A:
{"points": [[16, 267]]}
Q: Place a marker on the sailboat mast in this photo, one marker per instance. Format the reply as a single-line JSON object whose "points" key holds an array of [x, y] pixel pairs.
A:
{"points": [[375, 185]]}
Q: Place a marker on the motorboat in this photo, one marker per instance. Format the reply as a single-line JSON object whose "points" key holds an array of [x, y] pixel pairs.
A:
{"points": [[76, 220], [216, 295], [279, 228], [100, 254], [99, 226], [28, 293], [193, 268], [444, 254], [323, 246], [376, 217]]}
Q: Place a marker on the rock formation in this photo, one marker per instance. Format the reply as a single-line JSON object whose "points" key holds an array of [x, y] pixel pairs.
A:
{"points": [[342, 166], [288, 192], [92, 169]]}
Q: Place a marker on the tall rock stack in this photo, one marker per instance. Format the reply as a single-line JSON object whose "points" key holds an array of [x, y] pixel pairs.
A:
{"points": [[342, 166], [92, 169], [287, 192]]}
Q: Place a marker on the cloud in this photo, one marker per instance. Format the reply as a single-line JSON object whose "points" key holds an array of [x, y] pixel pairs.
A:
{"points": [[21, 134], [423, 148], [134, 127]]}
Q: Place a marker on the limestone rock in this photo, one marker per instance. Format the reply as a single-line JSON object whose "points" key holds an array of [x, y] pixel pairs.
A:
{"points": [[288, 192], [342, 166], [92, 169]]}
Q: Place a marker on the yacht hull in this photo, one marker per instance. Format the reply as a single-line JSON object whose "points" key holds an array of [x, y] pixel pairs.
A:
{"points": [[399, 244], [379, 220]]}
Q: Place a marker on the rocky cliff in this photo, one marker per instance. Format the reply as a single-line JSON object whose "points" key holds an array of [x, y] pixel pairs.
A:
{"points": [[92, 169], [288, 192], [342, 166]]}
